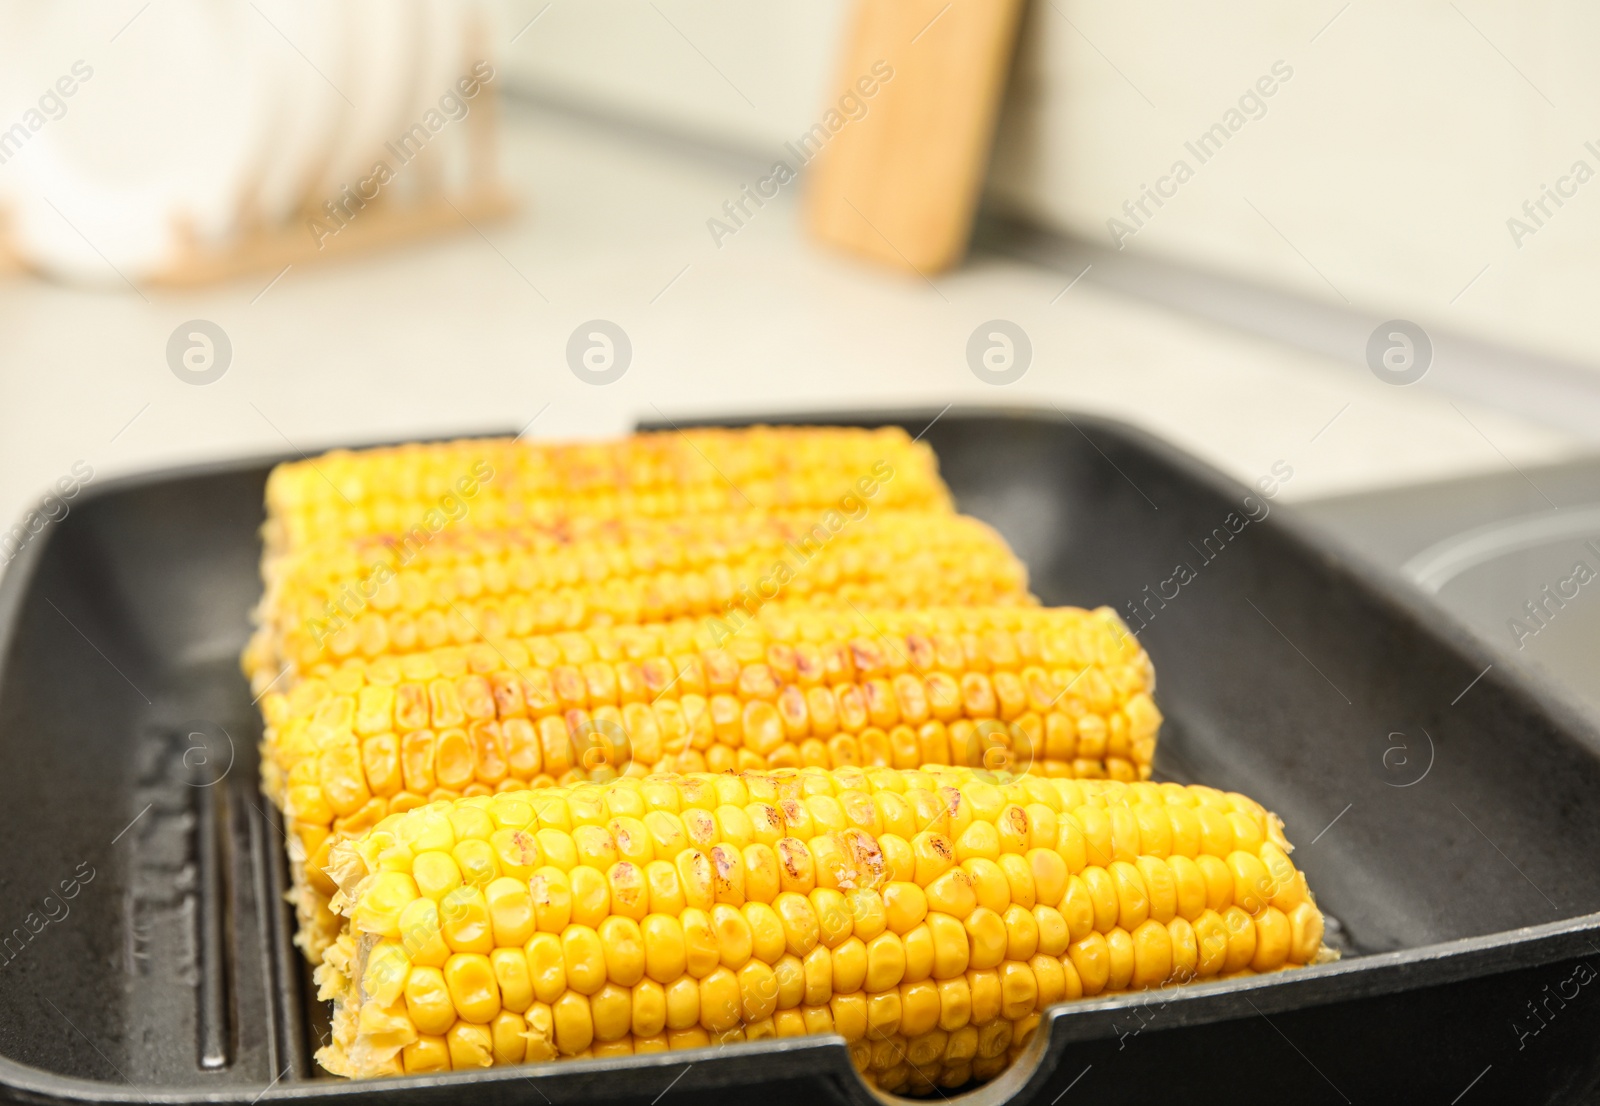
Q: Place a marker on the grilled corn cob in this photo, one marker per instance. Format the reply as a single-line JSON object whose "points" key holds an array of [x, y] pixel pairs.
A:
{"points": [[1060, 692], [504, 482], [370, 596], [927, 916]]}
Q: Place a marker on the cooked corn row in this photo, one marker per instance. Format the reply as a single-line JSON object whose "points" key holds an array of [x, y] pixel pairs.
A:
{"points": [[501, 482], [1064, 691], [929, 917], [371, 596]]}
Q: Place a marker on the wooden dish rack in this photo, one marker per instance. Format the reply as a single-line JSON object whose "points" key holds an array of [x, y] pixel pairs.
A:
{"points": [[385, 221]]}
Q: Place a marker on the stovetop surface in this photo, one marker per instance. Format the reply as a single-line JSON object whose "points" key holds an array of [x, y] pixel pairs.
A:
{"points": [[1514, 555]]}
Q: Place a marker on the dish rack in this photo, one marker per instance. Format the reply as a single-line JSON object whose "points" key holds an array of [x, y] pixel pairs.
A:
{"points": [[432, 204], [386, 221]]}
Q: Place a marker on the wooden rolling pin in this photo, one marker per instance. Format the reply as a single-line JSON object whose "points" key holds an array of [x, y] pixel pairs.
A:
{"points": [[919, 89]]}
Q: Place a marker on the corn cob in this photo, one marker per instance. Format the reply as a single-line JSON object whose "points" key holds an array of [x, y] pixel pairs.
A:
{"points": [[503, 482], [927, 916], [371, 596], [1060, 692]]}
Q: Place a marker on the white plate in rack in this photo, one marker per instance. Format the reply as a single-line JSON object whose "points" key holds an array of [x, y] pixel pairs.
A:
{"points": [[165, 135], [442, 64], [385, 43], [311, 56]]}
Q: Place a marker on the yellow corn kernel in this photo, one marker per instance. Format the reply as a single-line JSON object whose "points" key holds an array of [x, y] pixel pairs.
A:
{"points": [[1218, 876], [665, 951], [465, 921], [767, 937], [702, 950], [510, 911], [426, 1054], [1241, 939], [952, 894], [584, 957], [951, 946], [512, 976], [428, 1001], [990, 886], [1283, 881], [1274, 939], [905, 906], [683, 1003], [471, 1046], [420, 933], [649, 1015], [758, 991], [987, 938], [386, 970], [720, 1001], [472, 986], [885, 962], [611, 1007], [574, 1023], [379, 909], [1305, 933], [509, 1036], [436, 874], [849, 959], [1185, 950], [622, 943]]}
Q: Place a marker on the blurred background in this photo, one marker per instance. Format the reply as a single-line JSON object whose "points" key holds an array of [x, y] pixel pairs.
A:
{"points": [[1359, 240]]}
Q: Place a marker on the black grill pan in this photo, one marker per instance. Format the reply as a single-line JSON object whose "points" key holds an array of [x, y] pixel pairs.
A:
{"points": [[1445, 815]]}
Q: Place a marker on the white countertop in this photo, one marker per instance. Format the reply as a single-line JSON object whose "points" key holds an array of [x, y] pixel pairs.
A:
{"points": [[467, 334]]}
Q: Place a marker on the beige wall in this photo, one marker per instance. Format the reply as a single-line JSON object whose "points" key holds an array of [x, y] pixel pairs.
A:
{"points": [[1382, 173], [730, 71]]}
